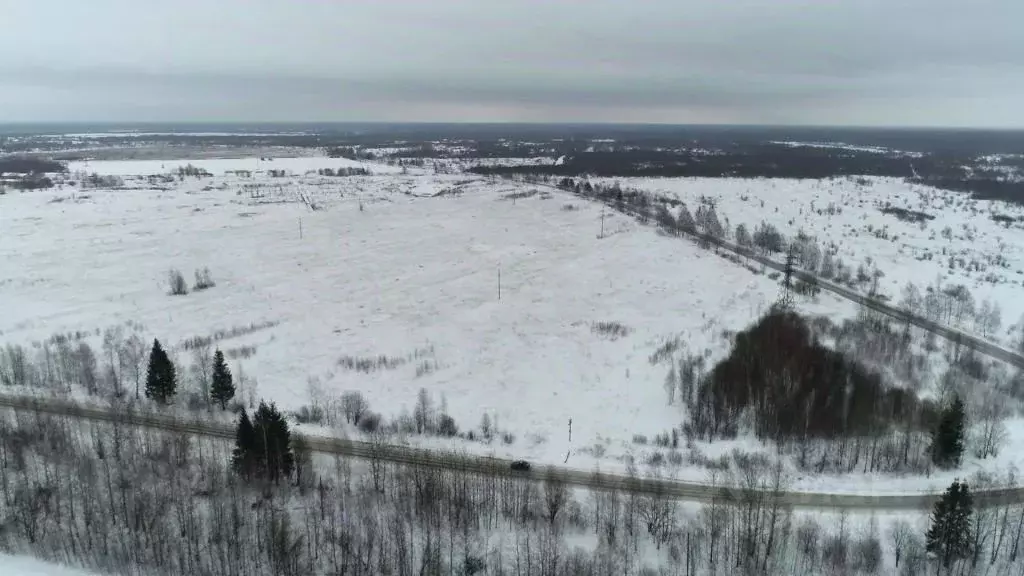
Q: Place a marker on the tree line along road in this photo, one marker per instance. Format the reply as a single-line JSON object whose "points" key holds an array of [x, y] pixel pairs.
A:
{"points": [[977, 344], [487, 465]]}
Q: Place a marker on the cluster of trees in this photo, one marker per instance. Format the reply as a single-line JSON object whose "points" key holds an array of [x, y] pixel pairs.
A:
{"points": [[952, 304], [675, 217], [942, 304], [67, 361], [775, 370], [192, 171], [122, 499], [30, 165], [94, 180], [344, 171], [27, 182], [427, 418], [828, 409], [765, 160], [162, 378], [263, 446]]}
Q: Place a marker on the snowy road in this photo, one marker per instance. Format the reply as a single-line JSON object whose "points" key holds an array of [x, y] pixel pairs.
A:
{"points": [[977, 344], [688, 491]]}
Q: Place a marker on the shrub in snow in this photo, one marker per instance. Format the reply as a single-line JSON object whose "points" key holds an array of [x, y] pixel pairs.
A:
{"points": [[370, 422], [176, 283], [309, 415], [203, 280], [446, 426], [612, 330], [675, 458]]}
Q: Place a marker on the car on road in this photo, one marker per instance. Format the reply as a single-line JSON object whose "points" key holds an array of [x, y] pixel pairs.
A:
{"points": [[520, 466]]}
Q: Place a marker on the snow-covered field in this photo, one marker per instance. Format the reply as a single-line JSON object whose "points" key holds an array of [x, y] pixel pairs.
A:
{"points": [[218, 166], [985, 255], [27, 566], [413, 275], [336, 270]]}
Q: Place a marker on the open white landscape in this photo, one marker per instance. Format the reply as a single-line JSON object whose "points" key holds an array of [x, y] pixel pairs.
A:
{"points": [[27, 566], [956, 240], [413, 276], [388, 284]]}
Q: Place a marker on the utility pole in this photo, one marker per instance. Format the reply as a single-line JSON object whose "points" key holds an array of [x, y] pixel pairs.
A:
{"points": [[602, 223]]}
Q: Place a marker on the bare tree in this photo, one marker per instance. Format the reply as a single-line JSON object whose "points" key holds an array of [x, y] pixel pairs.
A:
{"points": [[671, 382], [423, 413], [899, 535], [202, 367], [911, 300], [658, 510], [135, 351], [743, 239], [989, 430], [354, 406], [556, 495], [808, 537], [114, 353]]}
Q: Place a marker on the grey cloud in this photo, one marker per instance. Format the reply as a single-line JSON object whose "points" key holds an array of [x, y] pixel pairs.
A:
{"points": [[840, 62]]}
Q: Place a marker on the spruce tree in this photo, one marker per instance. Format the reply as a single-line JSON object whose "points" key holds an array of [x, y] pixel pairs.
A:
{"points": [[273, 455], [161, 382], [948, 536], [223, 388], [244, 455], [948, 438]]}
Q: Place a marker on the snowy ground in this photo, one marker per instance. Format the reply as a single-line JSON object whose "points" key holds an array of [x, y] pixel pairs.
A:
{"points": [[27, 566], [410, 272], [219, 166], [987, 256], [407, 266]]}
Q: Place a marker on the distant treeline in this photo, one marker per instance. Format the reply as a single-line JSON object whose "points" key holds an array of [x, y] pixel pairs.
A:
{"points": [[29, 165], [771, 161]]}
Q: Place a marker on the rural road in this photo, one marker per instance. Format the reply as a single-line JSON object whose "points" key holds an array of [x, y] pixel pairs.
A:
{"points": [[500, 467], [977, 344], [952, 334]]}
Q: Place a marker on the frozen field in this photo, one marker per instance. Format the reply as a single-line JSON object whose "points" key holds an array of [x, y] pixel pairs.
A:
{"points": [[336, 272], [27, 566], [413, 276], [218, 166], [987, 256]]}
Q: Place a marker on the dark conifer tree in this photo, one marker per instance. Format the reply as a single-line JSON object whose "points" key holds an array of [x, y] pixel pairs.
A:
{"points": [[244, 455], [949, 536], [161, 381], [274, 457], [223, 387], [948, 439]]}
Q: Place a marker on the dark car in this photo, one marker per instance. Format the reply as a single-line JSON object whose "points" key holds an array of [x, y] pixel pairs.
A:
{"points": [[521, 466]]}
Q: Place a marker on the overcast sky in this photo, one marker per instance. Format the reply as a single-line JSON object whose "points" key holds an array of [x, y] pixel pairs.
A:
{"points": [[833, 62]]}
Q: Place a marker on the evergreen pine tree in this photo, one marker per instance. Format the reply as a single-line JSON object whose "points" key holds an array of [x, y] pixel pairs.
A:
{"points": [[244, 455], [161, 382], [949, 536], [223, 388], [948, 439], [274, 456]]}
